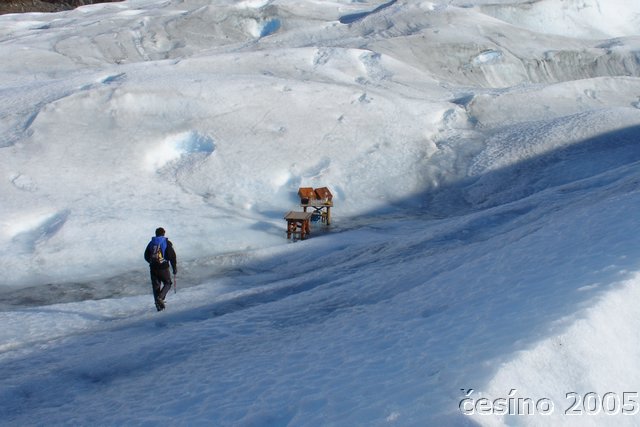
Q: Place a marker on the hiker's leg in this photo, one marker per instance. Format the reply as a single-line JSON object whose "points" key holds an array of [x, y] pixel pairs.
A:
{"points": [[156, 284], [165, 277]]}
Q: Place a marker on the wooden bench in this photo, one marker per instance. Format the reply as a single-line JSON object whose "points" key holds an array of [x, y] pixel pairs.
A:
{"points": [[298, 223]]}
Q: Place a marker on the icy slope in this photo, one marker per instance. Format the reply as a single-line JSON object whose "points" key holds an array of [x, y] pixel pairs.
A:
{"points": [[376, 326], [485, 172], [190, 132]]}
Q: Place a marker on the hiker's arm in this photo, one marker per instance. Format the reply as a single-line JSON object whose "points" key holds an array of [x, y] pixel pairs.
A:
{"points": [[170, 255]]}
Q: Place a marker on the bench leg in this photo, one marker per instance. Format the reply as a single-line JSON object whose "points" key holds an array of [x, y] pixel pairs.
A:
{"points": [[291, 229]]}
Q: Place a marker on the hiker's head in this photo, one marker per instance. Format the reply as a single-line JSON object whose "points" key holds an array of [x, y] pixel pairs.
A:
{"points": [[159, 231]]}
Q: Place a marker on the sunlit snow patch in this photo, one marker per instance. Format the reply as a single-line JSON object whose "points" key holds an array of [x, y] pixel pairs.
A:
{"points": [[489, 56], [252, 4], [176, 147]]}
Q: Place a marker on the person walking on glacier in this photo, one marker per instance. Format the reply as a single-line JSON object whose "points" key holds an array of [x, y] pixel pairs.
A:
{"points": [[161, 256]]}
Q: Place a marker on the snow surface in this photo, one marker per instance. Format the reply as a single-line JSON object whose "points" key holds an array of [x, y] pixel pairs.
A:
{"points": [[485, 165]]}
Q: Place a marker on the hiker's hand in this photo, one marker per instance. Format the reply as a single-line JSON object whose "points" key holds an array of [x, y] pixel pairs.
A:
{"points": [[175, 271]]}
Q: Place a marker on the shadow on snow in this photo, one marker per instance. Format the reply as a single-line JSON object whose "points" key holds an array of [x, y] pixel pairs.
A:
{"points": [[413, 240]]}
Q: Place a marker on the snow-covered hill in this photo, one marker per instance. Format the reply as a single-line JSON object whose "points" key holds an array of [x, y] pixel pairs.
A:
{"points": [[484, 162]]}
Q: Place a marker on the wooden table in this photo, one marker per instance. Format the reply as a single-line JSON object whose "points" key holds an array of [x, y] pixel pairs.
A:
{"points": [[298, 223], [320, 207]]}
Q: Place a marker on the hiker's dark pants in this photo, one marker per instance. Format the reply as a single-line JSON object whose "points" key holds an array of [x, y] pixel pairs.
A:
{"points": [[160, 277]]}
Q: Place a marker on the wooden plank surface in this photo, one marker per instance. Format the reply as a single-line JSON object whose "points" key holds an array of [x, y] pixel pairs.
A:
{"points": [[298, 216]]}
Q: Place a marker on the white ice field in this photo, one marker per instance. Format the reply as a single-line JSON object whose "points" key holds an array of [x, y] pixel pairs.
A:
{"points": [[482, 267]]}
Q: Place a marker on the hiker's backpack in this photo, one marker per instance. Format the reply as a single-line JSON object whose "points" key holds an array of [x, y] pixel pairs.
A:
{"points": [[158, 246]]}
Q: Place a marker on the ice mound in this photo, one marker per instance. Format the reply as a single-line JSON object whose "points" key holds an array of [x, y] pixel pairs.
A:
{"points": [[177, 148]]}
